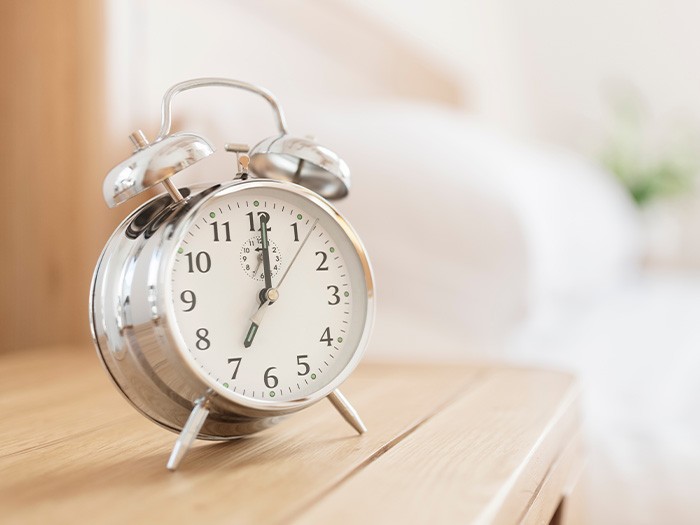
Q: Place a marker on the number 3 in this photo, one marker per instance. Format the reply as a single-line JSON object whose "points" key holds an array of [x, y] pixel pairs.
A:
{"points": [[334, 292]]}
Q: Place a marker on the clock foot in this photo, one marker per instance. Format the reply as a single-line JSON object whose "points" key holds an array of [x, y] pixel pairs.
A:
{"points": [[346, 410], [189, 433]]}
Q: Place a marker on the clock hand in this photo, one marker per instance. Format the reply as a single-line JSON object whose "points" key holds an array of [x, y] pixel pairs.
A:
{"points": [[270, 295], [264, 293], [313, 226], [260, 260], [265, 256]]}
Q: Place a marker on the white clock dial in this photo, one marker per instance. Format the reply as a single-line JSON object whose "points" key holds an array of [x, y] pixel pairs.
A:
{"points": [[309, 326]]}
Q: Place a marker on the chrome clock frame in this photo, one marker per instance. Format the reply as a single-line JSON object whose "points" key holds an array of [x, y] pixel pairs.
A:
{"points": [[132, 320]]}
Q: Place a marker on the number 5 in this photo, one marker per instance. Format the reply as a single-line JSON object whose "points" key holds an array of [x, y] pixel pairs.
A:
{"points": [[306, 366]]}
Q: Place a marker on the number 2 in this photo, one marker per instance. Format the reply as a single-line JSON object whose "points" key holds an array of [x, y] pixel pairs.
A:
{"points": [[324, 258]]}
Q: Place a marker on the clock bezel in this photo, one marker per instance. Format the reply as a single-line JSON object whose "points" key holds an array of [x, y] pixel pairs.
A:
{"points": [[169, 320]]}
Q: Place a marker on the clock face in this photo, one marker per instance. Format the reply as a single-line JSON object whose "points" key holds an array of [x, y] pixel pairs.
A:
{"points": [[270, 293]]}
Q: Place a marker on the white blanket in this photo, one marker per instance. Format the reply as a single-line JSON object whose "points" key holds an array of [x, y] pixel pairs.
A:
{"points": [[637, 353]]}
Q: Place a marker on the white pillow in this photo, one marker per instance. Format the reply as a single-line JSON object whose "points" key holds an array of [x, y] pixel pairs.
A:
{"points": [[580, 229], [447, 249]]}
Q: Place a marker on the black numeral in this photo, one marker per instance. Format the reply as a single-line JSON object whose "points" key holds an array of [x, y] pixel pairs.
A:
{"points": [[202, 342], [188, 297], [324, 258], [326, 337], [236, 360], [201, 261], [271, 381], [334, 292], [264, 217], [302, 363], [226, 228], [296, 232]]}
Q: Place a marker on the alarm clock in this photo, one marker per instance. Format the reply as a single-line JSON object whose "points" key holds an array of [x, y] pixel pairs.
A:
{"points": [[218, 309]]}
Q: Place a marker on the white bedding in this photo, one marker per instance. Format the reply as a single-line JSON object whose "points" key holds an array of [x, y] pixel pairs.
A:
{"points": [[636, 351]]}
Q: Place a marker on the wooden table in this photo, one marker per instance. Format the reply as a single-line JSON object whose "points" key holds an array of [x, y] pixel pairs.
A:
{"points": [[446, 444]]}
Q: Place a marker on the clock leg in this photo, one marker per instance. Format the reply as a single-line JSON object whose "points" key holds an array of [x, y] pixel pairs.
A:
{"points": [[346, 410], [189, 433]]}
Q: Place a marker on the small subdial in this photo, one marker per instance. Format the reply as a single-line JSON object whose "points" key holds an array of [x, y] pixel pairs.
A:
{"points": [[252, 261]]}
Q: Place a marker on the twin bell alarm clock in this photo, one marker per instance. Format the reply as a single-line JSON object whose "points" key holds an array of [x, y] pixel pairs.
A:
{"points": [[219, 308]]}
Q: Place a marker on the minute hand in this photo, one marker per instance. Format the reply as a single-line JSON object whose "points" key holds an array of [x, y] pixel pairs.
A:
{"points": [[266, 255], [272, 294]]}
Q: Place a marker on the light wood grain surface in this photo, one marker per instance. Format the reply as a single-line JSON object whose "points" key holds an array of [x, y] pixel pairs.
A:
{"points": [[446, 444]]}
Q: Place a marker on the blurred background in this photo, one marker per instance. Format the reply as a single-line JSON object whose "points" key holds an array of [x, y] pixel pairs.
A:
{"points": [[538, 161]]}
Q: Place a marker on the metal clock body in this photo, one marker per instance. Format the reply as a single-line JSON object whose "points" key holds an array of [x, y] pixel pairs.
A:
{"points": [[219, 309]]}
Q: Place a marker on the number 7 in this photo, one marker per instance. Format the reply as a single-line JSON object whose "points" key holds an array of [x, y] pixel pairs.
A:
{"points": [[238, 364]]}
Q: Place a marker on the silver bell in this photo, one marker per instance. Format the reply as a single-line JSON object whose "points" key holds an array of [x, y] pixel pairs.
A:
{"points": [[302, 161], [152, 164]]}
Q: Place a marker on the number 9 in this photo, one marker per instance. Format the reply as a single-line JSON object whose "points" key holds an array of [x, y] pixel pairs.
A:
{"points": [[190, 299]]}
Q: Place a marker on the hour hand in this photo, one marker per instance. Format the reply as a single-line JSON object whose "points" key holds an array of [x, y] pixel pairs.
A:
{"points": [[271, 295], [250, 335]]}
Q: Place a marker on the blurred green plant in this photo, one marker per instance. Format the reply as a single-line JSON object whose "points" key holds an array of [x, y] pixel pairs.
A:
{"points": [[649, 167]]}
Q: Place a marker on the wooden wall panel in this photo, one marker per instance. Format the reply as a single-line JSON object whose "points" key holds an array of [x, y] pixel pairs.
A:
{"points": [[52, 142]]}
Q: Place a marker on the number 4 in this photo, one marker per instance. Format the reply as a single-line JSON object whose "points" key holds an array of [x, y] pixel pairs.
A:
{"points": [[326, 337]]}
